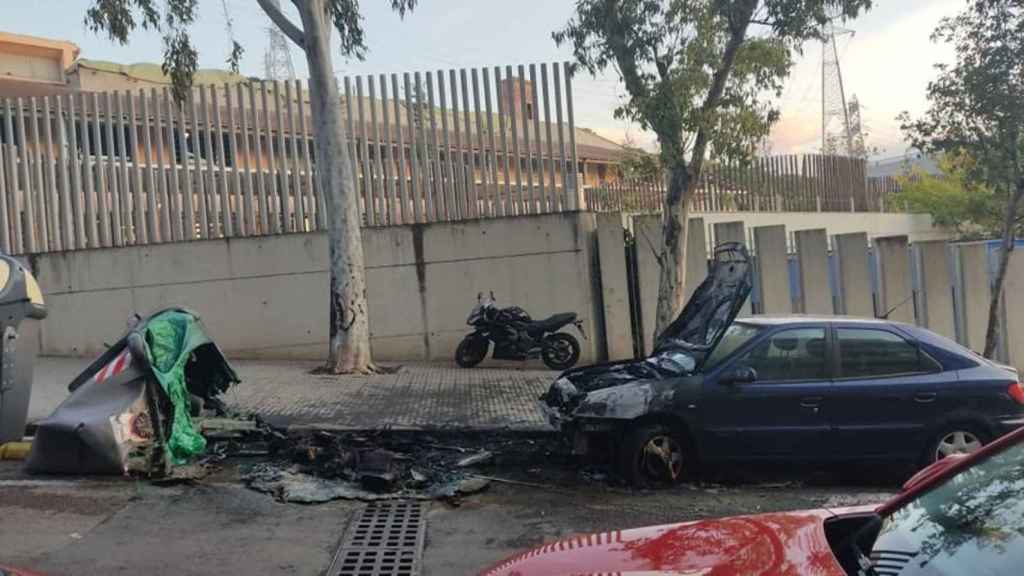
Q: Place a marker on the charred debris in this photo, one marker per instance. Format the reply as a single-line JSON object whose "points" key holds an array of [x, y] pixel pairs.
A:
{"points": [[318, 466]]}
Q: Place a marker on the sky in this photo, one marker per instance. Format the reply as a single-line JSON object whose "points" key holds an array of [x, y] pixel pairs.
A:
{"points": [[887, 62]]}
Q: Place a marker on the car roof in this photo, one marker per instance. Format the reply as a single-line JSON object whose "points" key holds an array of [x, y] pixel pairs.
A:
{"points": [[779, 319]]}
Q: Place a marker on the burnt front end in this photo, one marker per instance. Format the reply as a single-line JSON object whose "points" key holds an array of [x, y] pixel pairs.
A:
{"points": [[592, 405]]}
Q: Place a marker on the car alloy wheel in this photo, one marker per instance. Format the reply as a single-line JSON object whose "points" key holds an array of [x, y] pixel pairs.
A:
{"points": [[957, 442], [662, 458]]}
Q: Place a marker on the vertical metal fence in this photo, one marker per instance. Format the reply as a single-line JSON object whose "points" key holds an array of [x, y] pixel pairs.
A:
{"points": [[87, 170], [791, 183]]}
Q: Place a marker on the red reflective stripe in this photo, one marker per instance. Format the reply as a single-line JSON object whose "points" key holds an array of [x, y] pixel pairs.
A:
{"points": [[115, 366], [122, 362]]}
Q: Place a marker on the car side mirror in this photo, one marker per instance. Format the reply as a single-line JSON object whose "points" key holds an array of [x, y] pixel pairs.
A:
{"points": [[741, 375]]}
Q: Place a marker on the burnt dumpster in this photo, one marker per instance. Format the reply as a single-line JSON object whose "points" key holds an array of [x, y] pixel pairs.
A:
{"points": [[130, 411], [21, 308]]}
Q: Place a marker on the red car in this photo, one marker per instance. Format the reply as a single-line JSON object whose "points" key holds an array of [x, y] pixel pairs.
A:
{"points": [[8, 571], [961, 515]]}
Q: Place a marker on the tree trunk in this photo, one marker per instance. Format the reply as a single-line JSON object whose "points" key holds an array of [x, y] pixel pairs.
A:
{"points": [[350, 329], [1007, 246], [672, 258]]}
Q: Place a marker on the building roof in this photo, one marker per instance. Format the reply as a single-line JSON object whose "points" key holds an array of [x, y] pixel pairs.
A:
{"points": [[34, 66], [152, 73], [899, 165], [31, 45]]}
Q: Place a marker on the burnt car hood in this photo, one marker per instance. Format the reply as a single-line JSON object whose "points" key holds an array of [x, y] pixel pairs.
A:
{"points": [[683, 345], [778, 544], [713, 306]]}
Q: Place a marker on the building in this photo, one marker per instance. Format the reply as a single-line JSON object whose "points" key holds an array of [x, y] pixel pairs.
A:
{"points": [[31, 66], [900, 165], [36, 67]]}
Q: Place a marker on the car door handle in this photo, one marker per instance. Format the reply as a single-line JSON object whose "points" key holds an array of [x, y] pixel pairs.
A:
{"points": [[810, 401], [925, 397]]}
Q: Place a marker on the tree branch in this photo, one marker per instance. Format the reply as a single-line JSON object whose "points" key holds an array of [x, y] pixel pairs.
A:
{"points": [[623, 58], [283, 23], [738, 33]]}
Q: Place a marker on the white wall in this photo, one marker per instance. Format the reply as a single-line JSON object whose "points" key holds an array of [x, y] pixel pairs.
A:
{"points": [[917, 227], [266, 297]]}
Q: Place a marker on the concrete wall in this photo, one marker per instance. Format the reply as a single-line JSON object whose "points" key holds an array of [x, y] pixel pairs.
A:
{"points": [[696, 256], [1013, 298], [936, 297], [773, 269], [266, 297], [851, 253], [732, 231], [618, 333], [647, 231], [975, 293], [895, 291], [812, 249], [917, 227]]}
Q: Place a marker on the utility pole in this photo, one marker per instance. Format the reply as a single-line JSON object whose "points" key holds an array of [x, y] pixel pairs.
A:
{"points": [[277, 60], [836, 133]]}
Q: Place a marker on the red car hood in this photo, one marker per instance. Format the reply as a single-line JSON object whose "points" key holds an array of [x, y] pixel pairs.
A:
{"points": [[768, 544]]}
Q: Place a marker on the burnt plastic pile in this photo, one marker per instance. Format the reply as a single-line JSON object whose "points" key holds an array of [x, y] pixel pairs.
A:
{"points": [[322, 466]]}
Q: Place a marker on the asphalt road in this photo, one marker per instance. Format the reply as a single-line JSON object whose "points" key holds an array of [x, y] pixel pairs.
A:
{"points": [[65, 527]]}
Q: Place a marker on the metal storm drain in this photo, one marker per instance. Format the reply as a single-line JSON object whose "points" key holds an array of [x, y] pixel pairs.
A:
{"points": [[385, 539]]}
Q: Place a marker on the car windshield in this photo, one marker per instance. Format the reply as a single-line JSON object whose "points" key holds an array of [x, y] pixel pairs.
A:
{"points": [[735, 336], [973, 523]]}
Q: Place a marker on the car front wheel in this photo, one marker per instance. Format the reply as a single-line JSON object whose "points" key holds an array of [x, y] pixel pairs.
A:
{"points": [[654, 454]]}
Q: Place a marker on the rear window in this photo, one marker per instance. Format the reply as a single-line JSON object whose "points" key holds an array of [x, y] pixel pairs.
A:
{"points": [[951, 355]]}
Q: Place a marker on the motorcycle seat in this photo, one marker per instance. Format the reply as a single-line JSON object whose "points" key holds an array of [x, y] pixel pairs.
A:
{"points": [[551, 323]]}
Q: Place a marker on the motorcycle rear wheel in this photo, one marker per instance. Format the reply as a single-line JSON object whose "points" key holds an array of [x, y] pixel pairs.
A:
{"points": [[471, 351], [561, 351]]}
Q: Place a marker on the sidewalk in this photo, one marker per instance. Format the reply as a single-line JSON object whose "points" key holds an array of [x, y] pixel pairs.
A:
{"points": [[419, 396]]}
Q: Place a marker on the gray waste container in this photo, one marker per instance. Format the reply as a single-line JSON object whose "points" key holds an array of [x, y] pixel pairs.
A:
{"points": [[21, 307]]}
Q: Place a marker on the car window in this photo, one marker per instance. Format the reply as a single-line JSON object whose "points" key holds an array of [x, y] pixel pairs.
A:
{"points": [[795, 354], [735, 336], [973, 523], [868, 353]]}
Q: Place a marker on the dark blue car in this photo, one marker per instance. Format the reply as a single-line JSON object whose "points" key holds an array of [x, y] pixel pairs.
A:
{"points": [[784, 388]]}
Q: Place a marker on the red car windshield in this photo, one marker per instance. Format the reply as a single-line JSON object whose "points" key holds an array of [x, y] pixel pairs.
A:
{"points": [[973, 523]]}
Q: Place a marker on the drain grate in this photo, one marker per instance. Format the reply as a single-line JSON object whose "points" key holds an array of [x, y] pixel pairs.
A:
{"points": [[385, 539]]}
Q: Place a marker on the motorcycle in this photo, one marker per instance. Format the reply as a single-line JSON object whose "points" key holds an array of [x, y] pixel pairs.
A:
{"points": [[516, 336]]}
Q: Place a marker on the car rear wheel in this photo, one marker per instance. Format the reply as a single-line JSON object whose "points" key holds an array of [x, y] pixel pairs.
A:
{"points": [[653, 455], [954, 439]]}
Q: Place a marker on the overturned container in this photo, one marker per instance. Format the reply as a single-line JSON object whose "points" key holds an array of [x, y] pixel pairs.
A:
{"points": [[131, 410], [21, 308]]}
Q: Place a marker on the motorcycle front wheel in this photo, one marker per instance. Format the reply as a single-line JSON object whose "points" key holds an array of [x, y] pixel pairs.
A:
{"points": [[561, 351], [471, 351]]}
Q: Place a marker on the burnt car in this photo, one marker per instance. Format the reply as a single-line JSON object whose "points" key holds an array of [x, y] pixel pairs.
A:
{"points": [[782, 388]]}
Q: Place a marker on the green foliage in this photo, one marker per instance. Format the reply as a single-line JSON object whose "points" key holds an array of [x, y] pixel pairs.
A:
{"points": [[173, 18], [976, 105], [642, 165], [952, 199], [697, 74], [976, 108]]}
